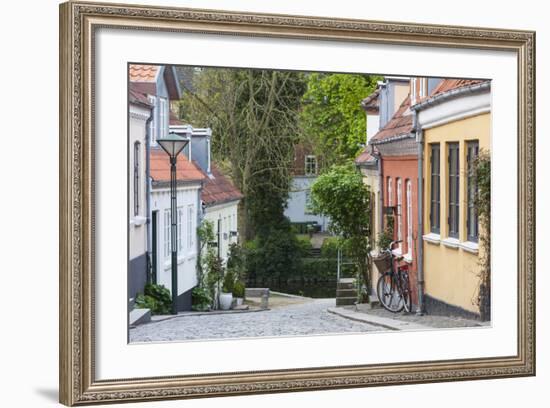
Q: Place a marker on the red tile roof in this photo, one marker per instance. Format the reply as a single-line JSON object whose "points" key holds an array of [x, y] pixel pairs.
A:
{"points": [[372, 102], [450, 84], [365, 157], [399, 124], [185, 170], [137, 97], [219, 189], [143, 73]]}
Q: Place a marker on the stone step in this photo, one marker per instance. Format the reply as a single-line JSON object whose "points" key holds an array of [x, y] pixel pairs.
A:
{"points": [[139, 316], [345, 285], [346, 301], [346, 292]]}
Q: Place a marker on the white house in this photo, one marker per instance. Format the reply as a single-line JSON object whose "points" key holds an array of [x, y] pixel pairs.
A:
{"points": [[189, 182], [139, 111], [304, 173], [220, 198], [157, 85]]}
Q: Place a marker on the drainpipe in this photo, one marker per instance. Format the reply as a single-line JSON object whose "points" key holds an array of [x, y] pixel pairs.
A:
{"points": [[420, 216], [381, 189], [150, 277]]}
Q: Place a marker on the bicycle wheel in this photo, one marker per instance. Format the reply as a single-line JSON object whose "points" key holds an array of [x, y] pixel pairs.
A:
{"points": [[388, 293], [406, 292]]}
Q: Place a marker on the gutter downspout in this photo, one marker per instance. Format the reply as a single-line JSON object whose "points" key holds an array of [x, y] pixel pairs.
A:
{"points": [[150, 277], [381, 189], [420, 216]]}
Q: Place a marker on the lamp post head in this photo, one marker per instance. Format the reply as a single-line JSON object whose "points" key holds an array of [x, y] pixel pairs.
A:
{"points": [[173, 144]]}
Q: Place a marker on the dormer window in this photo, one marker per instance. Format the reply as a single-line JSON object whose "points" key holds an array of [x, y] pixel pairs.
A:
{"points": [[311, 165]]}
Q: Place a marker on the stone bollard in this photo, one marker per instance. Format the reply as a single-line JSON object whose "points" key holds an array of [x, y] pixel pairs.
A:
{"points": [[265, 300]]}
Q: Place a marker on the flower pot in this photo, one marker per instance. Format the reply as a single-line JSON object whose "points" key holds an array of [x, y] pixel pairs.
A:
{"points": [[225, 300], [239, 301]]}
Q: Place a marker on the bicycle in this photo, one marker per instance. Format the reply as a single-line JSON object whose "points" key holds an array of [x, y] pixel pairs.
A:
{"points": [[393, 289]]}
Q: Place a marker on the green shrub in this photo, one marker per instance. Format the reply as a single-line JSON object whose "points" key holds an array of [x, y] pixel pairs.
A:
{"points": [[236, 261], [156, 298], [200, 299], [228, 282], [304, 243], [238, 289], [276, 255], [329, 248]]}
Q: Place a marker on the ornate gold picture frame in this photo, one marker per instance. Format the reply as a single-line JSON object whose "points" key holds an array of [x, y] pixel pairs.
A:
{"points": [[78, 24]]}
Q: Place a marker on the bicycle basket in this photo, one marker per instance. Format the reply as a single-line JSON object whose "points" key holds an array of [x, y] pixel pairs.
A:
{"points": [[382, 262]]}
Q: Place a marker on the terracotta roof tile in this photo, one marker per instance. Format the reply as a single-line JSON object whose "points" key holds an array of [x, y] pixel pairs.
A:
{"points": [[137, 97], [185, 170], [219, 189], [365, 157], [399, 124], [143, 73], [372, 102], [450, 84]]}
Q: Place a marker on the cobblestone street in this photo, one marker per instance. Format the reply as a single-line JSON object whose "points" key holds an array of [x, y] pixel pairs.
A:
{"points": [[298, 318]]}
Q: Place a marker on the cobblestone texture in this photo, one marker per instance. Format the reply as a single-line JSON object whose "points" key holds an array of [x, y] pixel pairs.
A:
{"points": [[434, 321], [296, 319]]}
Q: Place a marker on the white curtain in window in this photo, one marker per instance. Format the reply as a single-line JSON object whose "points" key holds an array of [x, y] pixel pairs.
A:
{"points": [[409, 217], [399, 211]]}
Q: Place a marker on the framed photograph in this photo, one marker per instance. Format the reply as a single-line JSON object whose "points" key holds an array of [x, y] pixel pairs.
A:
{"points": [[255, 203]]}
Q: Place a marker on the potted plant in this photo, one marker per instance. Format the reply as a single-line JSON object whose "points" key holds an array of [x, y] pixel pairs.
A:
{"points": [[238, 292], [226, 296]]}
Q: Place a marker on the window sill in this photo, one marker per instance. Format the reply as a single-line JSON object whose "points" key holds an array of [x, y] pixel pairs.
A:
{"points": [[432, 238], [470, 246], [138, 220], [451, 242]]}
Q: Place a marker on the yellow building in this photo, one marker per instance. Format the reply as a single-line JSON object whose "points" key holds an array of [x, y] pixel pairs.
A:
{"points": [[453, 124]]}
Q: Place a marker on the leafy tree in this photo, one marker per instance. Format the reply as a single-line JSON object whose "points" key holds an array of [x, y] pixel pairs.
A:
{"points": [[340, 194], [254, 117], [332, 116]]}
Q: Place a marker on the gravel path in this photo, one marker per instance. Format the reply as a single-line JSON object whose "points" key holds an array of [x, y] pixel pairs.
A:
{"points": [[296, 319]]}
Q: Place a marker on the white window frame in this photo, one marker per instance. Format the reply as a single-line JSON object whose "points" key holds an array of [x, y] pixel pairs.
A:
{"points": [[413, 91], [180, 226], [167, 233], [190, 223], [163, 116], [399, 188], [309, 161], [390, 192], [409, 217]]}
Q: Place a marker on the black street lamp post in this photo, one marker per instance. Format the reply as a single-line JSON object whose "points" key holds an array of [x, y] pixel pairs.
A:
{"points": [[173, 144]]}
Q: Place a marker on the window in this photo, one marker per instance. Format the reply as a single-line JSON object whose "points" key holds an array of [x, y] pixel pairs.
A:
{"points": [[311, 165], [390, 192], [167, 222], [454, 183], [435, 189], [472, 217], [163, 117], [413, 91], [137, 152], [409, 217], [399, 212], [190, 223], [152, 124], [180, 222]]}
